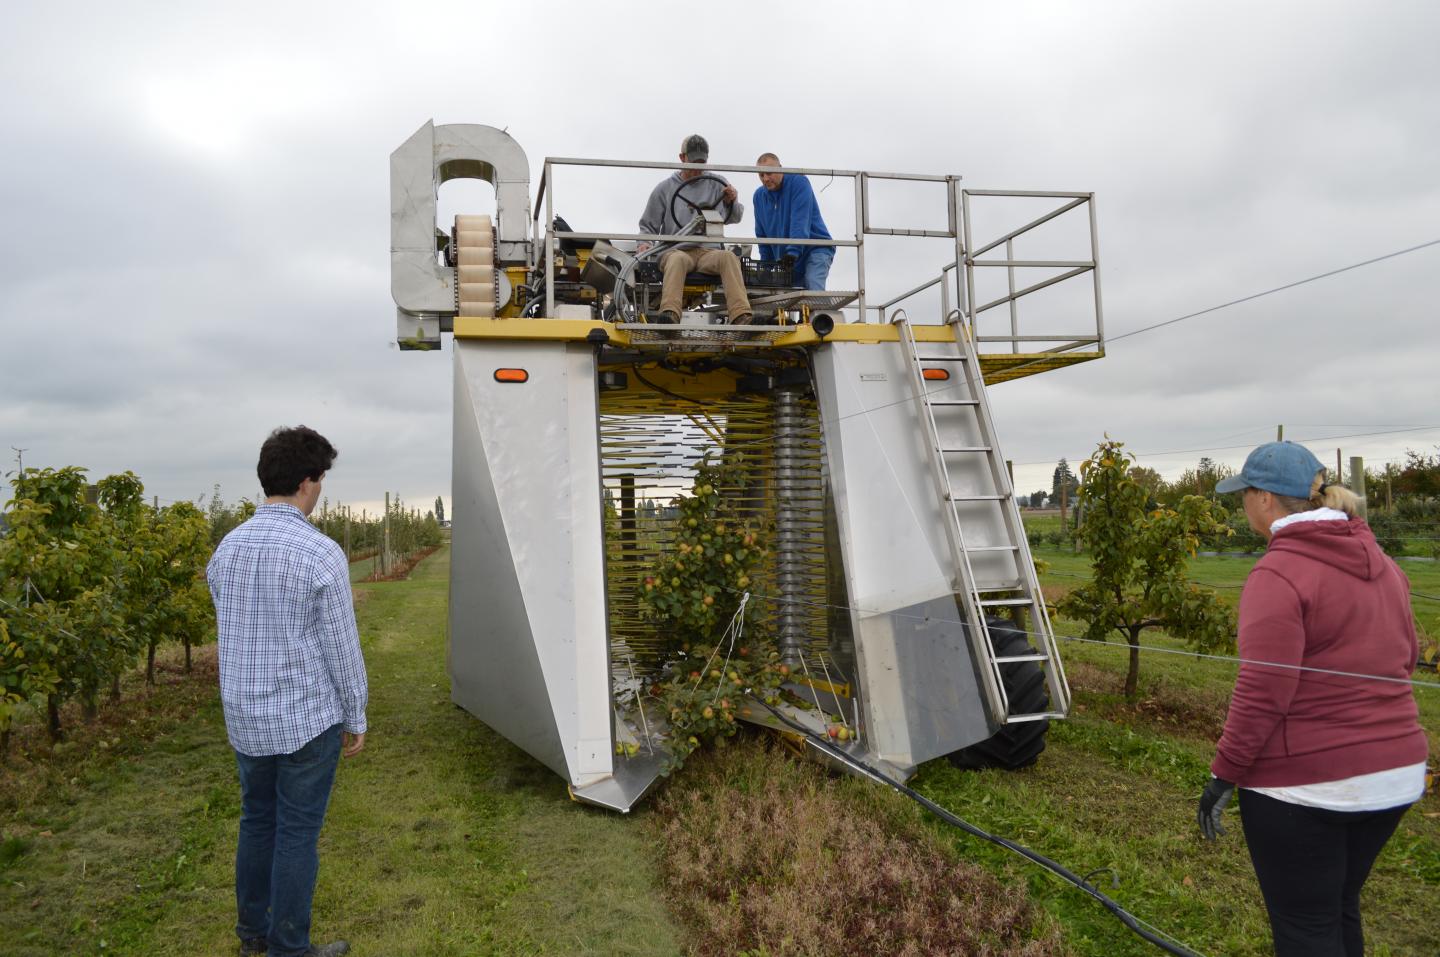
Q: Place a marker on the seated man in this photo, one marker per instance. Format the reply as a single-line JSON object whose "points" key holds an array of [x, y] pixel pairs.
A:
{"points": [[785, 207], [712, 258]]}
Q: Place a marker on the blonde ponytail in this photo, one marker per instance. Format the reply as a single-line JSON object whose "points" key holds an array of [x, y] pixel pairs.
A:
{"points": [[1322, 495], [1338, 497]]}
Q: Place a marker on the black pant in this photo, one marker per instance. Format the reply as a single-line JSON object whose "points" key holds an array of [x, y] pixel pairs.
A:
{"points": [[1311, 864]]}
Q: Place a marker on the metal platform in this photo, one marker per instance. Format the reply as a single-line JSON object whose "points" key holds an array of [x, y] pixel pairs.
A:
{"points": [[701, 334], [812, 299]]}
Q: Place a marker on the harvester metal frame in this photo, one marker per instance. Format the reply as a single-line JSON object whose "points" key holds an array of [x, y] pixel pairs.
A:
{"points": [[530, 648]]}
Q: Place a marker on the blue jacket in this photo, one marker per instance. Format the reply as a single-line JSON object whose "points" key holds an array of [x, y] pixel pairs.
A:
{"points": [[790, 212]]}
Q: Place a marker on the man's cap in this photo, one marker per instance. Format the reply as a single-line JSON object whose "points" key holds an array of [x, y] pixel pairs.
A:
{"points": [[695, 149], [1280, 467]]}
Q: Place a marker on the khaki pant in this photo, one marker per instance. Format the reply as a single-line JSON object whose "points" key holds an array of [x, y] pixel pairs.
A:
{"points": [[717, 262]]}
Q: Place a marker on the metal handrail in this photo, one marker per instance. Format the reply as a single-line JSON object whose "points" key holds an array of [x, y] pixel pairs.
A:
{"points": [[957, 298], [966, 292]]}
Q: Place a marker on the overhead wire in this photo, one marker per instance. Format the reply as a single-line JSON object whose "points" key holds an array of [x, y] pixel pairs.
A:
{"points": [[1272, 291], [1235, 659]]}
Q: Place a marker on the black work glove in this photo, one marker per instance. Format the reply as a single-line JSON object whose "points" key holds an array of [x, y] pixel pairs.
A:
{"points": [[1213, 799]]}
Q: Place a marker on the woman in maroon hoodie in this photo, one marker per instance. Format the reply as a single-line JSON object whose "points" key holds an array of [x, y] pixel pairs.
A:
{"points": [[1323, 739]]}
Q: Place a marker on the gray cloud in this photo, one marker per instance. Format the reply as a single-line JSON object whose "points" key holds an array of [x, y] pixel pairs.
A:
{"points": [[196, 204]]}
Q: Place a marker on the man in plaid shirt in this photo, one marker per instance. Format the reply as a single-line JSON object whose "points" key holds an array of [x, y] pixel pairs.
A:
{"points": [[293, 685]]}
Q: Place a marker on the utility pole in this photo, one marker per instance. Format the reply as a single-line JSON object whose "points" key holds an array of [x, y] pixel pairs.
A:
{"points": [[19, 459], [1339, 474]]}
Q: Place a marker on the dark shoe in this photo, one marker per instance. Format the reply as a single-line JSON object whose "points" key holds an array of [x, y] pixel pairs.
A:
{"points": [[744, 319], [250, 946], [669, 318], [336, 949]]}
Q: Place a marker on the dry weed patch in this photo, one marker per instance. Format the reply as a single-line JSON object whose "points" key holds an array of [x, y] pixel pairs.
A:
{"points": [[1162, 705], [763, 854]]}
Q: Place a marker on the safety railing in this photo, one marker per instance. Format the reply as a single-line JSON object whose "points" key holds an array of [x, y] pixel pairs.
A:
{"points": [[958, 300], [957, 284]]}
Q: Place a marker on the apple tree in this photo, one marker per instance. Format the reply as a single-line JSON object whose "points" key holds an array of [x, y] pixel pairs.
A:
{"points": [[692, 595], [1139, 561]]}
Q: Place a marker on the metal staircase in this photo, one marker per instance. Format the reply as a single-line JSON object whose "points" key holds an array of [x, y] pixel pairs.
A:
{"points": [[993, 568]]}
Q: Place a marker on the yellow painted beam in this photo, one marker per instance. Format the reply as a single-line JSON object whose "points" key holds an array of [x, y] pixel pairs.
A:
{"points": [[474, 327], [996, 367]]}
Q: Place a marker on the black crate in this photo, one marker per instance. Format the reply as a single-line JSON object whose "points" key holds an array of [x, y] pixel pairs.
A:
{"points": [[767, 274]]}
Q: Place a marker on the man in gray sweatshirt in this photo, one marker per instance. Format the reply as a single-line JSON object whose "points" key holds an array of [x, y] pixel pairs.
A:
{"points": [[660, 218]]}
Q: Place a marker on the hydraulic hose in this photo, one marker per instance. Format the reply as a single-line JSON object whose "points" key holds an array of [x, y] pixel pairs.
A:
{"points": [[949, 817]]}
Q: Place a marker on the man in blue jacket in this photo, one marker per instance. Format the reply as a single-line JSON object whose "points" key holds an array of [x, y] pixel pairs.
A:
{"points": [[785, 207]]}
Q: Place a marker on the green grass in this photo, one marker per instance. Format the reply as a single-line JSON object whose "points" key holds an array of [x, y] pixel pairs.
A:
{"points": [[441, 839], [444, 839]]}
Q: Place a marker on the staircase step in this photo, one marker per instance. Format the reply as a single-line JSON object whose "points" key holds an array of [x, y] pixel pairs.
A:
{"points": [[1012, 659], [1005, 602], [952, 497], [966, 448], [1036, 716], [954, 401]]}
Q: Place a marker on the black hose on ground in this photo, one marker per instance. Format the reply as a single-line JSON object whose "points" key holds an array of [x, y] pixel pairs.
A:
{"points": [[948, 817]]}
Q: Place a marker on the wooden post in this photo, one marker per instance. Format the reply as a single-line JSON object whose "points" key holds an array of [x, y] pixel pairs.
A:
{"points": [[1339, 472], [1357, 482], [347, 533], [385, 539], [1064, 494], [1388, 503], [1279, 433]]}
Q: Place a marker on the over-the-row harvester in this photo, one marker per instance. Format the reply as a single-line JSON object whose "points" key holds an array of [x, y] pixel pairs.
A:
{"points": [[896, 581]]}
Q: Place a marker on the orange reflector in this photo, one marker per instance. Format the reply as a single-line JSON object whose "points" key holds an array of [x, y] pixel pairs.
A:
{"points": [[511, 375], [940, 374]]}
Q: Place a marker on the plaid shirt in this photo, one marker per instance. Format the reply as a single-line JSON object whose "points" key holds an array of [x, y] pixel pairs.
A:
{"points": [[290, 662]]}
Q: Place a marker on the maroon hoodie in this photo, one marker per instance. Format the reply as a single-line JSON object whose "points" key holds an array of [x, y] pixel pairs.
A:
{"points": [[1323, 596]]}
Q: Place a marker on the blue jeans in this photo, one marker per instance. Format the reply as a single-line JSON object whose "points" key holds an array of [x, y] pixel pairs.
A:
{"points": [[282, 806], [816, 267]]}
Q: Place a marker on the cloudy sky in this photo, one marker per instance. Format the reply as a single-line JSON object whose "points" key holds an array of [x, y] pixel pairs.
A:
{"points": [[195, 200]]}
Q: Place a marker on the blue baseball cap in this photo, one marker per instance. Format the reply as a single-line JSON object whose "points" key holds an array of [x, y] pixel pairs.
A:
{"points": [[1280, 467]]}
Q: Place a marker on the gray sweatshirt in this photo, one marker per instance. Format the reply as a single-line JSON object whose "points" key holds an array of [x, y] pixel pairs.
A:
{"points": [[658, 218]]}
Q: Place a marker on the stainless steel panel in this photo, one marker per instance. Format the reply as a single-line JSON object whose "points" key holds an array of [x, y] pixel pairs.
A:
{"points": [[632, 778], [919, 687], [528, 647], [431, 156]]}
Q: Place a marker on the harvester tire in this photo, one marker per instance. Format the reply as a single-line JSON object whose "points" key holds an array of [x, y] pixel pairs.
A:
{"points": [[1014, 746]]}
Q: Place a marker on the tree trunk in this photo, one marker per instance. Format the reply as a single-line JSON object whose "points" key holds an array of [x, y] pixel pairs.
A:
{"points": [[52, 714], [150, 665], [5, 746], [187, 656], [115, 688], [1132, 677], [89, 703]]}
